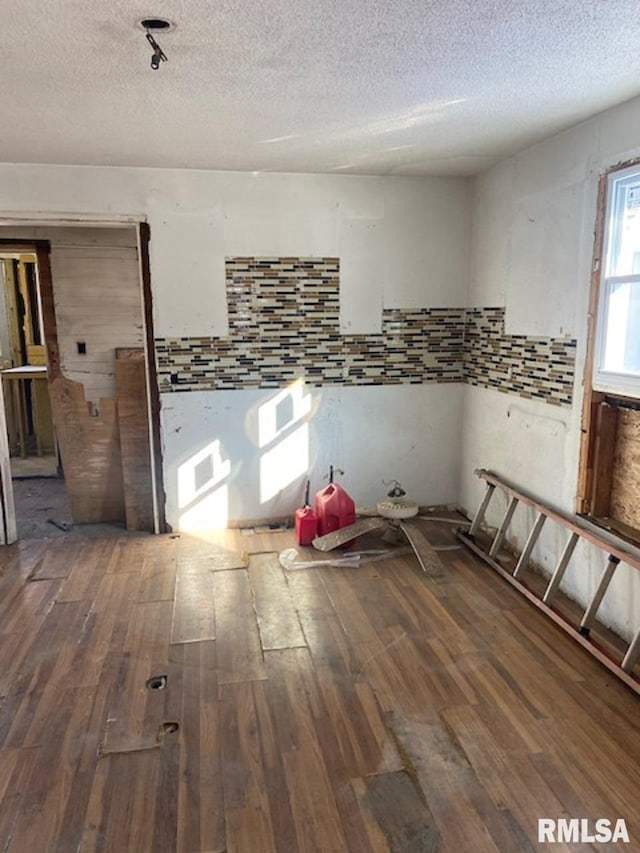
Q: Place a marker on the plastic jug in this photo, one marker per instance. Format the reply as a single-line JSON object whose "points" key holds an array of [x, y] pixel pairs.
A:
{"points": [[306, 521], [306, 525], [334, 508]]}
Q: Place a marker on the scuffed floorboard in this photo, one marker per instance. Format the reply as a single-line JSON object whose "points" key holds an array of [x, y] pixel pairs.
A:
{"points": [[174, 694]]}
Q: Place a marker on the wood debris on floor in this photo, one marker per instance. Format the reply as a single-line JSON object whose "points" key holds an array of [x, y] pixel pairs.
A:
{"points": [[189, 694]]}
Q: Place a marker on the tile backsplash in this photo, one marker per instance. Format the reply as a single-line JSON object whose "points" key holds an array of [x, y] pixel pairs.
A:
{"points": [[284, 325], [541, 368]]}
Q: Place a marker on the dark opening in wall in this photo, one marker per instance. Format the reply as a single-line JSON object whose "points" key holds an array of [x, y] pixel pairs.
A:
{"points": [[613, 466]]}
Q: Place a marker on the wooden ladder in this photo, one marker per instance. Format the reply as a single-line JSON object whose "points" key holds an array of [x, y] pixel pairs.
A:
{"points": [[623, 669]]}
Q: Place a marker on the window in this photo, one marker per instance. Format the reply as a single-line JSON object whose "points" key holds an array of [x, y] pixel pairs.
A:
{"points": [[617, 353], [608, 490]]}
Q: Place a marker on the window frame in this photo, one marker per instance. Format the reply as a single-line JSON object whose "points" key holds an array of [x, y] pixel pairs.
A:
{"points": [[609, 381], [600, 407]]}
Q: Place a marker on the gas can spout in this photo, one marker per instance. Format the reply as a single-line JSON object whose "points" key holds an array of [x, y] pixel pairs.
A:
{"points": [[332, 472]]}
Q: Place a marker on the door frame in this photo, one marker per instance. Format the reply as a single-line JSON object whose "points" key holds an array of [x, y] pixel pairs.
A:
{"points": [[42, 250], [8, 527]]}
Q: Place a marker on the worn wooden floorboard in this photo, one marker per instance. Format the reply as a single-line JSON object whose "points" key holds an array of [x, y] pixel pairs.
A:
{"points": [[278, 620], [330, 709]]}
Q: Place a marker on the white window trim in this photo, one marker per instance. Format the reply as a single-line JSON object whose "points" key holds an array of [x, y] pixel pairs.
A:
{"points": [[606, 380]]}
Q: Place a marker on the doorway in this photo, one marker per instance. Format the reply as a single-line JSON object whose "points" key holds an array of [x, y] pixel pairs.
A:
{"points": [[83, 457], [40, 499]]}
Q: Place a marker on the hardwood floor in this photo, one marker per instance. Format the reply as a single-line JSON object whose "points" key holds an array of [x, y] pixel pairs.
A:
{"points": [[329, 709]]}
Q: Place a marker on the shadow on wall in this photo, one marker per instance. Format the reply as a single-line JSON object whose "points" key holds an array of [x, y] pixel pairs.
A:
{"points": [[278, 428]]}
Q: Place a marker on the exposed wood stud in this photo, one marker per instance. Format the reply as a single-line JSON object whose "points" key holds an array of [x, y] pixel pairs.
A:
{"points": [[585, 470], [152, 376], [604, 440]]}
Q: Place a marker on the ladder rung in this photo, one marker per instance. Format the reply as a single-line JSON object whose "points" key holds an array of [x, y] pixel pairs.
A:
{"points": [[592, 609], [563, 562], [531, 541], [497, 542], [479, 516], [633, 653]]}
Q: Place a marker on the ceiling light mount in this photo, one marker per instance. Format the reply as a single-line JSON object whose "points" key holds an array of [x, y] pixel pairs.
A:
{"points": [[156, 25], [158, 54], [151, 26]]}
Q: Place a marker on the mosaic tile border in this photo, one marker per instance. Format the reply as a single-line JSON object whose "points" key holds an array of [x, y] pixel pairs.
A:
{"points": [[531, 367], [284, 324]]}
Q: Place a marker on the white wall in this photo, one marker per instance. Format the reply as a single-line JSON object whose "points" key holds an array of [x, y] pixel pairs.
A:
{"points": [[401, 242], [532, 241], [374, 434]]}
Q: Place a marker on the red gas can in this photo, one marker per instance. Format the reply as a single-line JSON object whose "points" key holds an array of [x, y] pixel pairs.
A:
{"points": [[306, 522], [306, 526], [334, 508]]}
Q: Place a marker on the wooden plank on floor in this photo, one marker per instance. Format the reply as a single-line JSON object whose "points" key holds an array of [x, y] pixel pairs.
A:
{"points": [[104, 632], [396, 806], [338, 538], [293, 688], [57, 561], [273, 769], [376, 839], [128, 555], [158, 572], [429, 560], [313, 805], [193, 609], [16, 767], [61, 621], [37, 640], [248, 819], [328, 642], [216, 551], [122, 808], [192, 699], [238, 641], [50, 782], [87, 568], [87, 745], [136, 713], [358, 741], [460, 805], [278, 621]]}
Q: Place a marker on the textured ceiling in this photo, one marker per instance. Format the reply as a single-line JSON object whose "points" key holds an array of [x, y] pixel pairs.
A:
{"points": [[361, 86]]}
